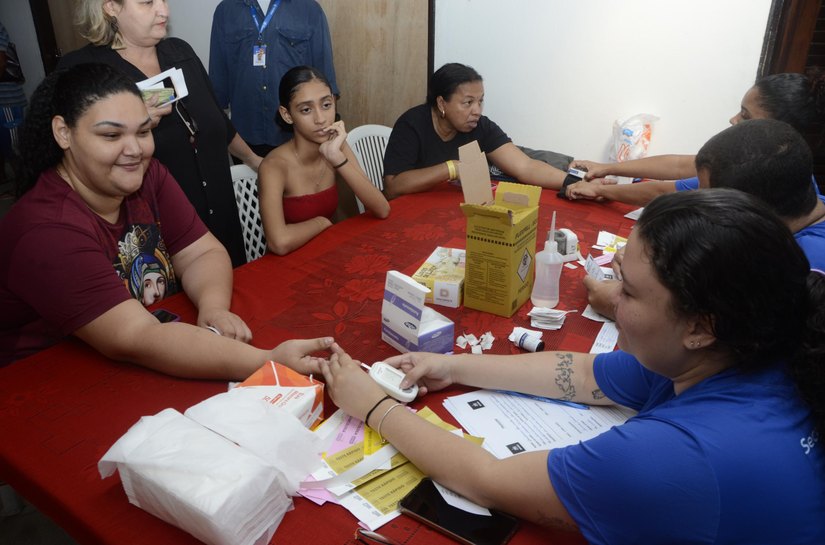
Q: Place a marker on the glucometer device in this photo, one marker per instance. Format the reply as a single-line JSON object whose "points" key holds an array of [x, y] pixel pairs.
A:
{"points": [[389, 378]]}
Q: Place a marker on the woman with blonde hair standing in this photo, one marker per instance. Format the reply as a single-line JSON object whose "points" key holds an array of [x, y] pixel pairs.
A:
{"points": [[191, 135]]}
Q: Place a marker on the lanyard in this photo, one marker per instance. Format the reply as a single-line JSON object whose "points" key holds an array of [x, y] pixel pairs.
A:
{"points": [[273, 7]]}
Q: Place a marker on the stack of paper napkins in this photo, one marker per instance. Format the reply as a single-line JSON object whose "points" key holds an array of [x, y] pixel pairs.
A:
{"points": [[547, 318], [224, 472]]}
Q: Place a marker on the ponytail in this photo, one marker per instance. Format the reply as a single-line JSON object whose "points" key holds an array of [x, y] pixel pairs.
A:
{"points": [[808, 363]]}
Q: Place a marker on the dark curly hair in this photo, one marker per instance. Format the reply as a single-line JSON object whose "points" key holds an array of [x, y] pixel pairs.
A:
{"points": [[724, 256], [766, 158], [66, 93]]}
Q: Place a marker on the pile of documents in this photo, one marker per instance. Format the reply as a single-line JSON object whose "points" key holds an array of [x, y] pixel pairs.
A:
{"points": [[362, 473]]}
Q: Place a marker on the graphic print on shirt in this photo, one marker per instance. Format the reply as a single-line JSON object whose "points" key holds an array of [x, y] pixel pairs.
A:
{"points": [[144, 265]]}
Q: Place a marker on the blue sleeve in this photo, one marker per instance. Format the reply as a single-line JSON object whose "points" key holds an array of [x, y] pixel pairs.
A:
{"points": [[322, 51], [623, 379], [688, 184], [646, 481], [218, 66]]}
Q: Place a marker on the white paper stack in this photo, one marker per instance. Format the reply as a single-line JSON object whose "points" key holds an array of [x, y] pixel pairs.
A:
{"points": [[547, 318], [272, 433], [181, 472]]}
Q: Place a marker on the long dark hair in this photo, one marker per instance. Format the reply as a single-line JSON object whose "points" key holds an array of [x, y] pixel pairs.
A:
{"points": [[294, 78], [67, 93], [724, 256]]}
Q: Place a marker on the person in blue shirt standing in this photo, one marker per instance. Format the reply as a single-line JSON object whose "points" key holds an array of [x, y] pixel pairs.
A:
{"points": [[12, 103], [253, 44]]}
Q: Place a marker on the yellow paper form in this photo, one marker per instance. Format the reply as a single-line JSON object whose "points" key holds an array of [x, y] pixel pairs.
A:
{"points": [[384, 488]]}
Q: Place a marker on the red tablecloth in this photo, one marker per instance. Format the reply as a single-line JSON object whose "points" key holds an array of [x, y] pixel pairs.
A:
{"points": [[61, 409]]}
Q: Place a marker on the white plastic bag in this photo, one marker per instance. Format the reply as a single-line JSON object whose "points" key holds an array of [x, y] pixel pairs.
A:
{"points": [[631, 137]]}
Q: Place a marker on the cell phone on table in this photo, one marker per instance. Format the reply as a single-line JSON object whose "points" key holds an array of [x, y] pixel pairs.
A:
{"points": [[425, 504], [165, 316]]}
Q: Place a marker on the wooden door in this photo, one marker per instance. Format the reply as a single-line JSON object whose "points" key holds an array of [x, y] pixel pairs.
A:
{"points": [[795, 42], [381, 52], [65, 33]]}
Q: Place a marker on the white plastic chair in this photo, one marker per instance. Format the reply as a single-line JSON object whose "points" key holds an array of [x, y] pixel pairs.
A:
{"points": [[245, 183], [368, 142]]}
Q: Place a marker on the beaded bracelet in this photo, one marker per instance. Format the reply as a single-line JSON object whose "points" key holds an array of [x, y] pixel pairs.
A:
{"points": [[380, 401]]}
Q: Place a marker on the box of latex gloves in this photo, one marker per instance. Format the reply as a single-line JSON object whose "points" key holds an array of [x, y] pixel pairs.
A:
{"points": [[407, 324], [443, 274]]}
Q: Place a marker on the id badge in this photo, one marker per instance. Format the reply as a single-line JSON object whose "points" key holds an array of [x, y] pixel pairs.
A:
{"points": [[259, 55]]}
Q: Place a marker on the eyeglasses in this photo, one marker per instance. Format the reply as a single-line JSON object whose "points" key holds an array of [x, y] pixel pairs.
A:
{"points": [[188, 120], [371, 538]]}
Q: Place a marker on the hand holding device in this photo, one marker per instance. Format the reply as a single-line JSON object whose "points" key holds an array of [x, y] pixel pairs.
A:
{"points": [[389, 378]]}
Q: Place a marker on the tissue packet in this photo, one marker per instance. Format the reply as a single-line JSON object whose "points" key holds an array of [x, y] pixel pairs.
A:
{"points": [[191, 477], [289, 390]]}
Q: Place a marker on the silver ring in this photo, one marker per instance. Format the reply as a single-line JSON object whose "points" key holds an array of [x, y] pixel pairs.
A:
{"points": [[214, 329]]}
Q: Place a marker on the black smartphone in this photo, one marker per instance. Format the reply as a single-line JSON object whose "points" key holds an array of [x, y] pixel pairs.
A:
{"points": [[426, 505], [165, 316]]}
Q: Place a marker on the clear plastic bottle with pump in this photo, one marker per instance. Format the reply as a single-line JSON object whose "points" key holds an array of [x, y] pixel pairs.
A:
{"points": [[548, 272]]}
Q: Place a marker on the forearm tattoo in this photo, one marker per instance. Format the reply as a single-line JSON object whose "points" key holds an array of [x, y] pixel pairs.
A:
{"points": [[564, 376], [597, 394]]}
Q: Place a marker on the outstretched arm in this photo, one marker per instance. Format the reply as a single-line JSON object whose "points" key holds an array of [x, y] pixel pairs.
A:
{"points": [[128, 332], [516, 163], [658, 167], [519, 485], [638, 194]]}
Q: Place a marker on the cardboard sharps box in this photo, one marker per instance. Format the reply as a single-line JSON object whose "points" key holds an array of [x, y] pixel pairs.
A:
{"points": [[501, 241]]}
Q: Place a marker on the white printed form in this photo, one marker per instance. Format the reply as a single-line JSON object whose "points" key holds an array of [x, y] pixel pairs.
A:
{"points": [[511, 425], [606, 339]]}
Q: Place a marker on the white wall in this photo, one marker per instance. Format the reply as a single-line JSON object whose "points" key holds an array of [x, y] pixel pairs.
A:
{"points": [[557, 73], [16, 16], [191, 20]]}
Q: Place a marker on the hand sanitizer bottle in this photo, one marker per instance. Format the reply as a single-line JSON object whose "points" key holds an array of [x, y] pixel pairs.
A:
{"points": [[548, 272]]}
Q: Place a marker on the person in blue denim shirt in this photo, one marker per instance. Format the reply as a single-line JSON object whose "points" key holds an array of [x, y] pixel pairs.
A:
{"points": [[12, 103], [253, 44]]}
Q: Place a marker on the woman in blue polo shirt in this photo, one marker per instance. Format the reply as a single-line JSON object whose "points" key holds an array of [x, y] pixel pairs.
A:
{"points": [[722, 341]]}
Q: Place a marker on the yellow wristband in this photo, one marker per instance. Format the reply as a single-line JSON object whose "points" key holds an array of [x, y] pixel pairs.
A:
{"points": [[452, 170]]}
